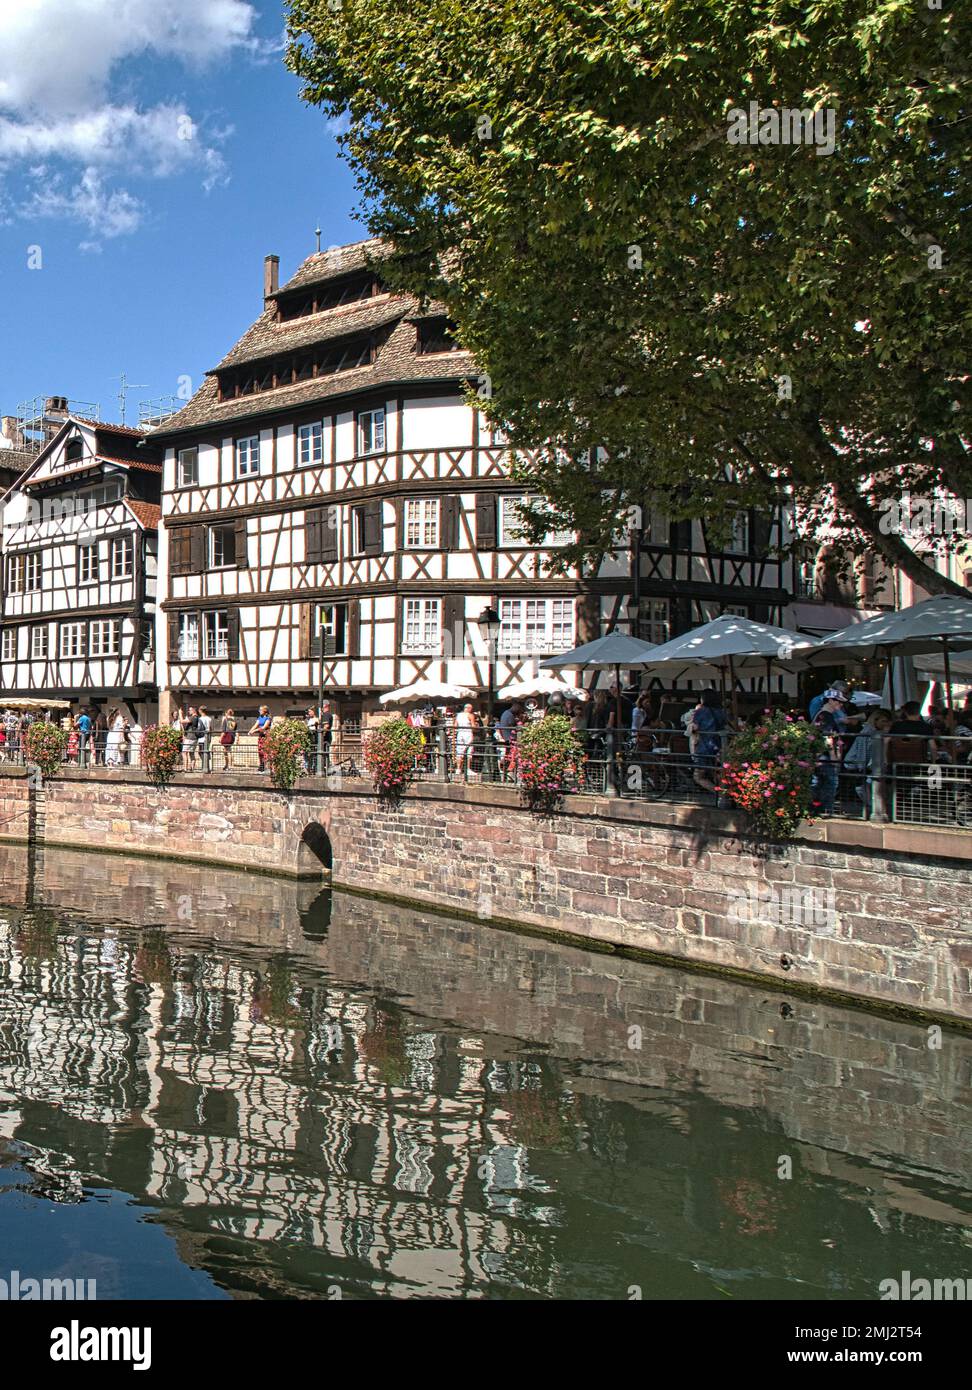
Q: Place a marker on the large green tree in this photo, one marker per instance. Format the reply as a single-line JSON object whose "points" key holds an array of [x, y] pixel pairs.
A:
{"points": [[668, 305]]}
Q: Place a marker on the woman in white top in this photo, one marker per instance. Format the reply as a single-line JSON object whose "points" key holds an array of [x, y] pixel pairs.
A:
{"points": [[115, 739], [466, 723]]}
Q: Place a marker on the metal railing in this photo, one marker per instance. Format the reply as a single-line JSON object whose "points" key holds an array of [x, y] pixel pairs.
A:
{"points": [[909, 779]]}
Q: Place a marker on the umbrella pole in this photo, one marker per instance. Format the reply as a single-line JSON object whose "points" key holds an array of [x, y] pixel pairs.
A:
{"points": [[732, 691], [948, 675], [891, 681]]}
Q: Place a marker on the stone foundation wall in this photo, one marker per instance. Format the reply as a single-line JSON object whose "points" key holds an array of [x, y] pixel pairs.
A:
{"points": [[886, 924]]}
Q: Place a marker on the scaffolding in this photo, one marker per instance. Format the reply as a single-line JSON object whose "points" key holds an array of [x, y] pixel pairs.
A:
{"points": [[153, 413], [37, 421]]}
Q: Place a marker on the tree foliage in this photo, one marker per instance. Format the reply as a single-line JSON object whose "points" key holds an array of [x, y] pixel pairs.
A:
{"points": [[664, 306]]}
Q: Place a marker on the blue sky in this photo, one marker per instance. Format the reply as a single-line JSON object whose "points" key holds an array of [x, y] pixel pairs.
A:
{"points": [[154, 158]]}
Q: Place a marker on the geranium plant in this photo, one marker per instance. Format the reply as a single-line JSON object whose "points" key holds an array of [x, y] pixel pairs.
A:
{"points": [[44, 745], [161, 752], [390, 755], [549, 761], [768, 773], [286, 746]]}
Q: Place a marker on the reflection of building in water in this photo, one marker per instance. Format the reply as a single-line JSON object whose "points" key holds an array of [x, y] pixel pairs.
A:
{"points": [[273, 1107]]}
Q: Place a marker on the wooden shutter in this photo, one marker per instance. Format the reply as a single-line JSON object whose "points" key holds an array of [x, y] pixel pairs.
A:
{"points": [[453, 625], [304, 639], [233, 634], [449, 522], [760, 531], [328, 533], [174, 636], [197, 549], [373, 539], [682, 535], [179, 551], [353, 629], [242, 561], [486, 521], [312, 536]]}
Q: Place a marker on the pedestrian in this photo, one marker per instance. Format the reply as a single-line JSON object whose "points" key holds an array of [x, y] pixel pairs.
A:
{"points": [[506, 737], [190, 739], [83, 724], [466, 726], [100, 736], [73, 742], [327, 732], [707, 724], [825, 775], [204, 728], [114, 752], [227, 736], [261, 727]]}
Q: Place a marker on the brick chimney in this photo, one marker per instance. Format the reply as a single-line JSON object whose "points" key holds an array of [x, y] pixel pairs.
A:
{"points": [[271, 276]]}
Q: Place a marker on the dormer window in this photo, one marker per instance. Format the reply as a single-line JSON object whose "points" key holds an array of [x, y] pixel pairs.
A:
{"points": [[74, 450], [435, 335], [326, 359], [315, 299]]}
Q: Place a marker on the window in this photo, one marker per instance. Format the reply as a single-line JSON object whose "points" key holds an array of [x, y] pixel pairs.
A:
{"points": [[39, 643], [10, 644], [91, 498], [215, 636], [332, 629], [536, 625], [310, 444], [358, 530], [24, 572], [88, 563], [72, 640], [498, 438], [435, 335], [738, 542], [656, 530], [248, 456], [511, 524], [104, 638], [122, 557], [189, 637], [74, 450], [422, 523], [735, 610], [422, 626], [222, 547], [654, 620], [371, 431], [187, 467]]}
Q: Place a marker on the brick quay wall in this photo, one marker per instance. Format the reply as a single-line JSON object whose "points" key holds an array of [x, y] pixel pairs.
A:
{"points": [[888, 923]]}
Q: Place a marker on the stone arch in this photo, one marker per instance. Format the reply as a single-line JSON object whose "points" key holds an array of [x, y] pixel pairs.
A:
{"points": [[315, 854]]}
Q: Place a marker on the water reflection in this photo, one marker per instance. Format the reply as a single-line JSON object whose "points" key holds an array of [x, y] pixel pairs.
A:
{"points": [[212, 1081]]}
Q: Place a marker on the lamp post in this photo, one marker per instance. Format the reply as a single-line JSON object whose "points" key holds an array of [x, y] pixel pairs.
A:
{"points": [[489, 626], [320, 696]]}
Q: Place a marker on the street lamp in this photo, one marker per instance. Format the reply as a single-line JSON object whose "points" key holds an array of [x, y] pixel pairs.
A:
{"points": [[489, 626], [320, 692]]}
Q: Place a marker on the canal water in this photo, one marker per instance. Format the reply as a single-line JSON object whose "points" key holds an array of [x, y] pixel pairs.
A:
{"points": [[215, 1085]]}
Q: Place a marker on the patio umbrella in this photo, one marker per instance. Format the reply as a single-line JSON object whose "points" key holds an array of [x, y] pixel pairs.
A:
{"points": [[941, 625], [542, 684], [422, 690], [729, 643], [612, 651]]}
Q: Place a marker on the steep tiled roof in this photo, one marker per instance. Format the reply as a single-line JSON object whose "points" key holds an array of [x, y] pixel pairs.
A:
{"points": [[332, 264], [145, 513], [397, 360], [106, 425], [92, 465], [17, 459], [267, 337]]}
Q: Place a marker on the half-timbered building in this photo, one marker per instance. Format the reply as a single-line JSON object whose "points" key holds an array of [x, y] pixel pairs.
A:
{"points": [[80, 569], [330, 495]]}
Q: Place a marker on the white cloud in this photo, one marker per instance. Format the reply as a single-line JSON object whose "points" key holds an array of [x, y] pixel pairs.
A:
{"points": [[58, 60]]}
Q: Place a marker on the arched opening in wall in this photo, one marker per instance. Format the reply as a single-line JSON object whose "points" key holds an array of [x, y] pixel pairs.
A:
{"points": [[315, 857]]}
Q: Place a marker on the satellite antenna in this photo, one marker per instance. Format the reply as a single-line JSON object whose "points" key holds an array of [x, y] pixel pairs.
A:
{"points": [[127, 386]]}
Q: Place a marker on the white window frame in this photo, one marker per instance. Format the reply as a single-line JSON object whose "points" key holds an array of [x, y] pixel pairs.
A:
{"points": [[356, 523], [71, 641], [40, 642], [211, 557], [34, 572], [510, 504], [90, 573], [738, 541], [187, 473], [311, 436], [654, 620], [535, 626], [371, 431], [125, 547], [189, 644], [327, 622], [247, 456], [215, 635], [421, 627], [104, 637], [422, 521], [10, 644]]}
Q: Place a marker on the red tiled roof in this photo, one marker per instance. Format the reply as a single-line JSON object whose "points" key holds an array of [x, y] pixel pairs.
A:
{"points": [[145, 513], [107, 425], [139, 464]]}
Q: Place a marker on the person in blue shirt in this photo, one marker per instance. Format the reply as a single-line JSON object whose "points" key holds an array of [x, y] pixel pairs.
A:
{"points": [[826, 719], [84, 737], [708, 722]]}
